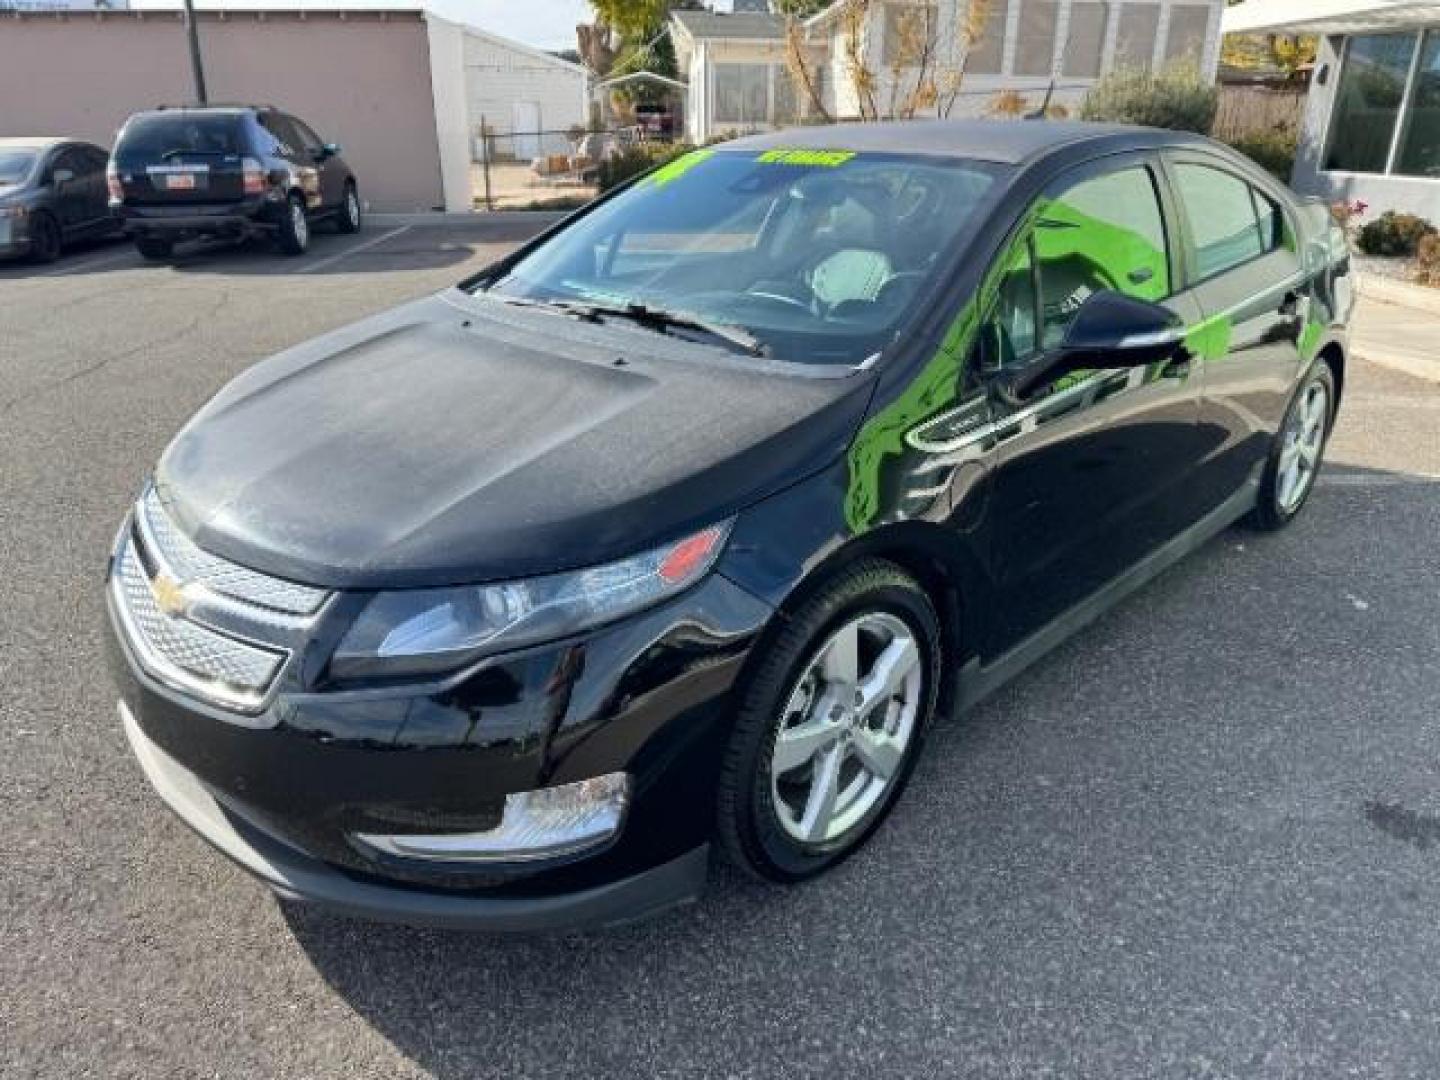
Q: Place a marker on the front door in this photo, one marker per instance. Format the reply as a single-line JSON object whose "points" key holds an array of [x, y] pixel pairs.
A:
{"points": [[1087, 468]]}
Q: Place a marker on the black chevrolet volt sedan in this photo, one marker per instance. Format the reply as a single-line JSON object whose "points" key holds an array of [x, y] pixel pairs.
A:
{"points": [[673, 532]]}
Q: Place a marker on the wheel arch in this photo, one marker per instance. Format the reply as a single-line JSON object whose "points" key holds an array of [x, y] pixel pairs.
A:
{"points": [[937, 558], [1332, 354]]}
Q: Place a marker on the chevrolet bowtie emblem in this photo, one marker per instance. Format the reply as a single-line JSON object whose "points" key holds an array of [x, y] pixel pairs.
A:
{"points": [[169, 594]]}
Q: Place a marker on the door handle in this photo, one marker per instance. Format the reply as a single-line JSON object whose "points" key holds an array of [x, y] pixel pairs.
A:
{"points": [[1290, 305]]}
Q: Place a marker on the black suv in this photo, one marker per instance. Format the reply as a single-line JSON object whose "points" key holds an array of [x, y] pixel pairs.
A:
{"points": [[227, 171]]}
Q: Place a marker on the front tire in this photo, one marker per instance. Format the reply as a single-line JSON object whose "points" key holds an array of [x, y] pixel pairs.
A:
{"points": [[829, 724], [46, 239], [348, 218], [1298, 452], [294, 233]]}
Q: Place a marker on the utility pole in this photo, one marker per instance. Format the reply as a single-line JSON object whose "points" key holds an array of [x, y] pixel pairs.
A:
{"points": [[197, 68]]}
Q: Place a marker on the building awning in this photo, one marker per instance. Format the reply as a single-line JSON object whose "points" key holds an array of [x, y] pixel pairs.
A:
{"points": [[1328, 16]]}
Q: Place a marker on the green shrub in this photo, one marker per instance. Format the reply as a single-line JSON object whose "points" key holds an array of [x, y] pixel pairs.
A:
{"points": [[1393, 234], [1176, 98], [634, 160], [1273, 151]]}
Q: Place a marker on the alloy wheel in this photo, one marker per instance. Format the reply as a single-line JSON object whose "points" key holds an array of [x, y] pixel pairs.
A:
{"points": [[352, 208], [298, 223], [846, 727], [1303, 445]]}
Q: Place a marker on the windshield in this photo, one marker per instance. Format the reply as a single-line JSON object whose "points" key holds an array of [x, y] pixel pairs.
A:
{"points": [[156, 138], [15, 166], [818, 255]]}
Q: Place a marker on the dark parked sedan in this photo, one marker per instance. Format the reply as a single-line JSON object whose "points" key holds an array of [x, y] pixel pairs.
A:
{"points": [[52, 192], [677, 528]]}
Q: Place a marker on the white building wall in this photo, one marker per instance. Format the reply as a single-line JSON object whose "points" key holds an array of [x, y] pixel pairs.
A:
{"points": [[500, 74], [452, 124]]}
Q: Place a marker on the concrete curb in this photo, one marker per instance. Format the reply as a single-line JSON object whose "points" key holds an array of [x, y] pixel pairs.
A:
{"points": [[1386, 290]]}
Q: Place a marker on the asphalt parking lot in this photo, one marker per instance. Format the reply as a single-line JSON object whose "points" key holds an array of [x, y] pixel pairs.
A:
{"points": [[1202, 839]]}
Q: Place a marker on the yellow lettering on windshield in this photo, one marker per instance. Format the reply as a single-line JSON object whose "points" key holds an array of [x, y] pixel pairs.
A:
{"points": [[825, 159]]}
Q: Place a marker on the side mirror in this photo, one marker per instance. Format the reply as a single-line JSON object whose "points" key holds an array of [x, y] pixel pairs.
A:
{"points": [[329, 150], [62, 176], [1109, 331]]}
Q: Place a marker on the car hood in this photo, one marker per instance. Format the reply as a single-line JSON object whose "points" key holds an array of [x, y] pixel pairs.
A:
{"points": [[460, 440]]}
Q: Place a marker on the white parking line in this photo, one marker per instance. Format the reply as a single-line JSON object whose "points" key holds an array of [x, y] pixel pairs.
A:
{"points": [[333, 259], [1365, 480], [80, 267]]}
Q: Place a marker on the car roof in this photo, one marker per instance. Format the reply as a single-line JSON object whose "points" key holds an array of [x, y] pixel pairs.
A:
{"points": [[33, 142], [1009, 142]]}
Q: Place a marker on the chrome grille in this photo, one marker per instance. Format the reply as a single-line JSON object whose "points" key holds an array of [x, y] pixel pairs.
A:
{"points": [[200, 623], [180, 651], [189, 564]]}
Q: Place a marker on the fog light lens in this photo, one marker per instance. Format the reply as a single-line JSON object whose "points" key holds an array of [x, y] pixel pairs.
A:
{"points": [[546, 824]]}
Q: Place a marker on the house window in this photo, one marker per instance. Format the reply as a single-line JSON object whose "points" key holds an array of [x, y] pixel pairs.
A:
{"points": [[908, 28], [1035, 39], [1135, 39], [1085, 44], [1189, 27], [1369, 101], [742, 93], [1420, 145], [987, 52]]}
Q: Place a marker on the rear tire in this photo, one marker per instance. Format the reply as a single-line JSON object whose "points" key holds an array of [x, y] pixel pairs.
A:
{"points": [[830, 724], [294, 233], [46, 240], [154, 248], [1297, 453], [347, 218]]}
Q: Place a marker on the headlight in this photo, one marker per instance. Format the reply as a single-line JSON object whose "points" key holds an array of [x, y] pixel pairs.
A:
{"points": [[13, 211], [426, 631]]}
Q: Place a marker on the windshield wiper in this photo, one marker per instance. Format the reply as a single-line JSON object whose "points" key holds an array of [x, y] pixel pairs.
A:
{"points": [[179, 150], [652, 318], [663, 319]]}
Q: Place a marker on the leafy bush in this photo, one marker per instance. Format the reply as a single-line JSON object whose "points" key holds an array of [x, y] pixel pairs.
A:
{"points": [[1393, 234], [1273, 151], [636, 159], [1176, 98], [1427, 260]]}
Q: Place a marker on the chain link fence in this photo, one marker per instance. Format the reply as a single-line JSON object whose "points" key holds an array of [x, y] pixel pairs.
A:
{"points": [[517, 168]]}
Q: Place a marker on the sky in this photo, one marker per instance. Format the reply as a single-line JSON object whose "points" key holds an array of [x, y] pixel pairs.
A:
{"points": [[549, 24]]}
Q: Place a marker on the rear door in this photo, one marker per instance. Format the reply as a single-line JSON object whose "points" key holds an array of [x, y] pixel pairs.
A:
{"points": [[1090, 470], [1243, 255], [182, 158]]}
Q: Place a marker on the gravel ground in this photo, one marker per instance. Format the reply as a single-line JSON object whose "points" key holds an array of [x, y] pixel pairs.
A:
{"points": [[1202, 839]]}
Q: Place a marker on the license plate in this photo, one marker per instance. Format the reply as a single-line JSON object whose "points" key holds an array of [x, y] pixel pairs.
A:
{"points": [[180, 182]]}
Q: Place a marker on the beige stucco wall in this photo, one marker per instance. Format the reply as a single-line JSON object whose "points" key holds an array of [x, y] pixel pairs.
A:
{"points": [[362, 81]]}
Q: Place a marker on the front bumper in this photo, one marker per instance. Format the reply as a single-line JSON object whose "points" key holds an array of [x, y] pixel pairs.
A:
{"points": [[296, 876], [285, 793]]}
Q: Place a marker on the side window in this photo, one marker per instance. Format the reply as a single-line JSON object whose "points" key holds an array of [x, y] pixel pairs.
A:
{"points": [[1230, 222], [1103, 233], [71, 161], [1011, 333], [308, 139], [278, 125]]}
